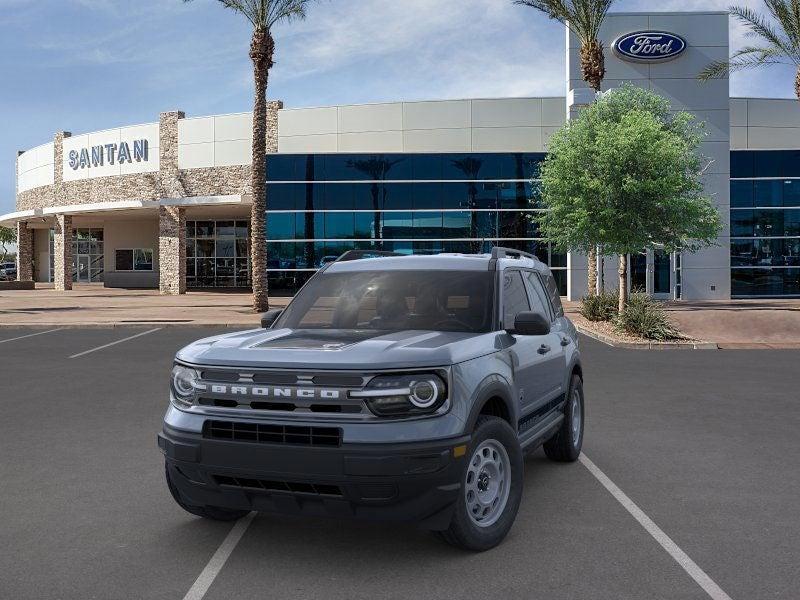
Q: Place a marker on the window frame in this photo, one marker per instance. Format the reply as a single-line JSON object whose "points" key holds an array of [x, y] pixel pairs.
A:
{"points": [[502, 295], [133, 268]]}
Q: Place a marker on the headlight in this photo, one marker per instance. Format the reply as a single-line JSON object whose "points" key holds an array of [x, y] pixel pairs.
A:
{"points": [[404, 395], [183, 384]]}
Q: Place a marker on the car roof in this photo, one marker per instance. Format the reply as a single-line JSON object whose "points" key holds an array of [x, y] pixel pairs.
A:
{"points": [[434, 262]]}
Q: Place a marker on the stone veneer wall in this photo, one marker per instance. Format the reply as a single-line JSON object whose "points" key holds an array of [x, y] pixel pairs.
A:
{"points": [[62, 251], [24, 252]]}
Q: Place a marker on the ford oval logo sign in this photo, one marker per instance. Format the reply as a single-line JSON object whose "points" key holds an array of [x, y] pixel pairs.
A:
{"points": [[649, 46]]}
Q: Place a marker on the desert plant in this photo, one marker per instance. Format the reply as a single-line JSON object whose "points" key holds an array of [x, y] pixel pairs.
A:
{"points": [[646, 318], [779, 36], [600, 307]]}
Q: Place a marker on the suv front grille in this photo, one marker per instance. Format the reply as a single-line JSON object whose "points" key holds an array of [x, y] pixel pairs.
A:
{"points": [[317, 489], [264, 433]]}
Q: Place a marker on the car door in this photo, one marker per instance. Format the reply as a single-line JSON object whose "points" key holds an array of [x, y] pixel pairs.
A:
{"points": [[554, 361], [527, 359]]}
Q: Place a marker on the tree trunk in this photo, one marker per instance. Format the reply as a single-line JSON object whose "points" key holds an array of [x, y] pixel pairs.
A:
{"points": [[593, 67], [262, 48], [797, 84], [623, 282], [601, 276], [592, 272]]}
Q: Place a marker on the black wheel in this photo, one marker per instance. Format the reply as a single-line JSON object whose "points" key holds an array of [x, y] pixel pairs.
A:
{"points": [[565, 445], [491, 487], [215, 513]]}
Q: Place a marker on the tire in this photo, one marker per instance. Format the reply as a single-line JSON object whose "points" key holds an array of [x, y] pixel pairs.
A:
{"points": [[495, 436], [215, 513], [565, 445]]}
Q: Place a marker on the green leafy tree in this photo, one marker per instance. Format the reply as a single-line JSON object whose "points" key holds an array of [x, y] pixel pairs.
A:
{"points": [[778, 40], [584, 19], [263, 15], [8, 236], [627, 174]]}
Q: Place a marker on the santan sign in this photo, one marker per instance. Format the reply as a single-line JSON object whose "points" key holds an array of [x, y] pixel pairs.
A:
{"points": [[649, 46], [97, 156]]}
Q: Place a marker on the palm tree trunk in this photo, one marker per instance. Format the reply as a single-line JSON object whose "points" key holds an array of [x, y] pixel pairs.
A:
{"points": [[797, 84], [261, 51], [623, 282], [593, 67]]}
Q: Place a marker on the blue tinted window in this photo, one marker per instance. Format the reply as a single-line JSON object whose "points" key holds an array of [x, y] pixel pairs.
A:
{"points": [[741, 194], [768, 163], [456, 224], [280, 226], [742, 164], [427, 224], [768, 193], [455, 195], [339, 196], [397, 196], [339, 225], [282, 196], [426, 195], [281, 167], [791, 192], [742, 223], [398, 225], [365, 225], [426, 166], [765, 282]]}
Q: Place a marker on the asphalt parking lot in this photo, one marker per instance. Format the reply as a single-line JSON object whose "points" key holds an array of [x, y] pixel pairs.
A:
{"points": [[703, 442]]}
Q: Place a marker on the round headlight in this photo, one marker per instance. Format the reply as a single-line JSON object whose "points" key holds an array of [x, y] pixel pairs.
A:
{"points": [[424, 393], [183, 379]]}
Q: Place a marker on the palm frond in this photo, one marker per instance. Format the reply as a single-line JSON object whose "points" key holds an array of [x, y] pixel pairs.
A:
{"points": [[745, 58], [787, 14], [759, 26], [583, 17]]}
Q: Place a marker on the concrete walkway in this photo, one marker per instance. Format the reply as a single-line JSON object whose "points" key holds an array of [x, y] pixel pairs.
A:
{"points": [[94, 305]]}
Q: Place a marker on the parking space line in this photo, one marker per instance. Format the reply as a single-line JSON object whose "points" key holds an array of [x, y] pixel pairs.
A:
{"points": [[214, 566], [22, 337], [695, 572], [115, 343]]}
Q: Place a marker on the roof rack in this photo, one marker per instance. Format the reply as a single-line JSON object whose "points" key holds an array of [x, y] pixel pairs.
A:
{"points": [[500, 252], [359, 254]]}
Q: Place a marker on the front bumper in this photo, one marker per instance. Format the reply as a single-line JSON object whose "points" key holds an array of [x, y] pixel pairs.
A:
{"points": [[417, 482]]}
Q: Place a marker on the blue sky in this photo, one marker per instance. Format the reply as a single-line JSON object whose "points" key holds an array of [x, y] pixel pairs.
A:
{"points": [[84, 65]]}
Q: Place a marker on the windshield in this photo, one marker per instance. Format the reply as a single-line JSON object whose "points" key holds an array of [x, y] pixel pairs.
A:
{"points": [[394, 301]]}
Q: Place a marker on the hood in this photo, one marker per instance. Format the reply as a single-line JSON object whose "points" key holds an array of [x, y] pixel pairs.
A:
{"points": [[338, 349]]}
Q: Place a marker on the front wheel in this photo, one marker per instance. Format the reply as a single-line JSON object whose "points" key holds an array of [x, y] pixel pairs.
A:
{"points": [[491, 488], [565, 445]]}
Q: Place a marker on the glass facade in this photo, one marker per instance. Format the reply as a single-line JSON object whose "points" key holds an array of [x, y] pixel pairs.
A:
{"points": [[88, 262], [765, 223], [321, 205], [217, 254]]}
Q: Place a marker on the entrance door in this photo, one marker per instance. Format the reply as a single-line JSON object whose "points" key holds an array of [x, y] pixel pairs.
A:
{"points": [[662, 271], [83, 268], [638, 269], [651, 272]]}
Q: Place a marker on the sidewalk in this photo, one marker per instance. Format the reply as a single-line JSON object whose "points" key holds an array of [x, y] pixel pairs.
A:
{"points": [[91, 305]]}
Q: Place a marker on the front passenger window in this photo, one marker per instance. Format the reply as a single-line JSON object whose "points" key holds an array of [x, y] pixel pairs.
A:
{"points": [[539, 300], [515, 299]]}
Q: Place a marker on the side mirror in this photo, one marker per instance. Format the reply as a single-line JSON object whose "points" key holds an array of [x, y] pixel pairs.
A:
{"points": [[269, 317], [530, 323]]}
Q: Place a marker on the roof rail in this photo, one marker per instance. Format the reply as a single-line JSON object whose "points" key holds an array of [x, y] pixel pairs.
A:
{"points": [[359, 254], [500, 252]]}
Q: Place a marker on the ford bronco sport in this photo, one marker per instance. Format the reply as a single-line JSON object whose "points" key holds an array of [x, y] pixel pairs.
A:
{"points": [[391, 387]]}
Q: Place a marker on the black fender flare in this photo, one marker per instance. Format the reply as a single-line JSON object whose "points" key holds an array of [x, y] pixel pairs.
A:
{"points": [[491, 387]]}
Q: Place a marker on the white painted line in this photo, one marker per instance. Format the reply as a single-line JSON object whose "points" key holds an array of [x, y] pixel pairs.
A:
{"points": [[22, 337], [214, 566], [688, 565], [115, 343]]}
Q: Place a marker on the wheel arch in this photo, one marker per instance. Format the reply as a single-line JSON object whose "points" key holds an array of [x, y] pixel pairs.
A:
{"points": [[493, 398]]}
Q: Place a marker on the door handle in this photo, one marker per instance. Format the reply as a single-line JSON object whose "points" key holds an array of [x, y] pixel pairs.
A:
{"points": [[543, 349], [565, 341]]}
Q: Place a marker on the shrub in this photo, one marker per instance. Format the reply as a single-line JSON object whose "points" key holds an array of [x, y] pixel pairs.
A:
{"points": [[646, 318], [601, 307]]}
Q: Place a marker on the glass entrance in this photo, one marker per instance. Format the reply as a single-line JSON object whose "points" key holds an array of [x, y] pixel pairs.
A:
{"points": [[662, 269], [651, 272], [87, 255], [82, 272], [638, 269]]}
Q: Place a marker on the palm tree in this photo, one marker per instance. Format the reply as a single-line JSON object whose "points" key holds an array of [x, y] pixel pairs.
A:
{"points": [[263, 15], [780, 41], [584, 19], [376, 168]]}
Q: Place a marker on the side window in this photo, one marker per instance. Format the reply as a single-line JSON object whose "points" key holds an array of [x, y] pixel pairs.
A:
{"points": [[515, 299], [539, 301], [555, 297]]}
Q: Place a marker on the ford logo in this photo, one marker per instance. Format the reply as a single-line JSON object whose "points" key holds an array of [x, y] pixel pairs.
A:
{"points": [[649, 46]]}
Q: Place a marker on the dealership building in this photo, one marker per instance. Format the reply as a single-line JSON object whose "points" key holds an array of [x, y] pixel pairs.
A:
{"points": [[167, 204]]}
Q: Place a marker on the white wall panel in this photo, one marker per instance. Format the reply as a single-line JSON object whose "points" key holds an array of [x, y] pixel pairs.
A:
{"points": [[444, 114], [709, 29], [371, 141], [233, 127], [196, 131], [233, 152], [773, 113], [370, 117], [299, 144], [554, 112], [437, 140], [738, 112], [766, 138], [308, 121], [507, 139], [508, 112], [739, 138], [195, 156]]}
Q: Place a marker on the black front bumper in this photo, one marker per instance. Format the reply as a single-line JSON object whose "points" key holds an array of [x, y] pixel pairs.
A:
{"points": [[416, 482]]}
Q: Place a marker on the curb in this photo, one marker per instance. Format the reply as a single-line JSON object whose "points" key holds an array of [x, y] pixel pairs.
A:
{"points": [[646, 345]]}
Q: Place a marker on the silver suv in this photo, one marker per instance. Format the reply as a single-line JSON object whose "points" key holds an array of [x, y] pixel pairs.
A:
{"points": [[391, 387]]}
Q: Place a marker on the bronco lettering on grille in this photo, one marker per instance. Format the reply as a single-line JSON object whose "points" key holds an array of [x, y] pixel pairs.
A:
{"points": [[271, 392]]}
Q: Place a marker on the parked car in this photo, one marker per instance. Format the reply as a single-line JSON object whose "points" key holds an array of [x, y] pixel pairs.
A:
{"points": [[400, 387], [8, 271]]}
